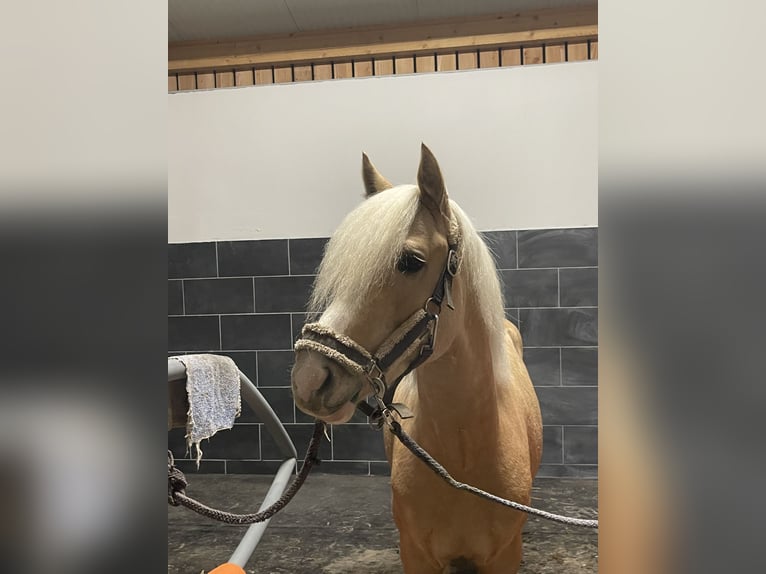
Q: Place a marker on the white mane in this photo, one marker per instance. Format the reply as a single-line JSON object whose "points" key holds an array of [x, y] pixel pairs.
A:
{"points": [[484, 284], [362, 253], [361, 257]]}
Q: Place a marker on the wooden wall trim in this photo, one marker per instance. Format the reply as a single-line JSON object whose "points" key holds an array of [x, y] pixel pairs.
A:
{"points": [[467, 59], [501, 30]]}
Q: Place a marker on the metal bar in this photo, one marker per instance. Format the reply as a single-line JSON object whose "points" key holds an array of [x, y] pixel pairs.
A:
{"points": [[264, 412], [253, 535], [176, 370]]}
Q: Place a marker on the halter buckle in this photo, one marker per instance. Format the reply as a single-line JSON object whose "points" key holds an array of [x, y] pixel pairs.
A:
{"points": [[381, 415], [428, 347], [386, 417]]}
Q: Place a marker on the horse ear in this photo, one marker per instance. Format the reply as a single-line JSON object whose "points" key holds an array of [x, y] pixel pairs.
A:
{"points": [[373, 181], [433, 193]]}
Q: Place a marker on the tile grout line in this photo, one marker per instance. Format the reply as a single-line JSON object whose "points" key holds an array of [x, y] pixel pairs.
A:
{"points": [[562, 444], [332, 442], [586, 347], [260, 442], [343, 460], [270, 276], [547, 268], [183, 297], [247, 314], [561, 369], [591, 347], [227, 350], [217, 272], [517, 249], [282, 275], [325, 238], [289, 270], [303, 311]]}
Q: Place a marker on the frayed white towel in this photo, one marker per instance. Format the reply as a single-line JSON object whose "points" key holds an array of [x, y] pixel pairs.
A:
{"points": [[212, 385]]}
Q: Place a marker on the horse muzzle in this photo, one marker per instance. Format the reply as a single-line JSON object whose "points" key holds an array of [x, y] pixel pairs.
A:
{"points": [[323, 389]]}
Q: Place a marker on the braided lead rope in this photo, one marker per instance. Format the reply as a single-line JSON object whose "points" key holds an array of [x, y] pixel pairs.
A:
{"points": [[418, 451], [177, 484]]}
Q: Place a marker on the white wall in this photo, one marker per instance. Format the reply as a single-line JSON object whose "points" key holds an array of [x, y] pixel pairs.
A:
{"points": [[517, 146]]}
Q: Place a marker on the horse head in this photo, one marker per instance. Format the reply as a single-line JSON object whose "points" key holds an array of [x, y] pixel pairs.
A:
{"points": [[379, 269]]}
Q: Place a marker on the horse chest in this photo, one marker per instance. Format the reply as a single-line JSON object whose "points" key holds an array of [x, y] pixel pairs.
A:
{"points": [[445, 526], [448, 521]]}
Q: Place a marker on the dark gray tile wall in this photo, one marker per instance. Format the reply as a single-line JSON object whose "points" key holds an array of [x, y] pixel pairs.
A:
{"points": [[550, 281], [247, 300], [187, 260], [218, 296]]}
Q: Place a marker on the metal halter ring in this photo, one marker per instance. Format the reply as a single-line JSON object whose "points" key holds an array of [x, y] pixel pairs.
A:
{"points": [[371, 369], [375, 375], [430, 301], [378, 386], [382, 417]]}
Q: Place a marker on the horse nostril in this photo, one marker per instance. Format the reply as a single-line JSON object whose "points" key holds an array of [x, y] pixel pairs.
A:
{"points": [[326, 383], [310, 381]]}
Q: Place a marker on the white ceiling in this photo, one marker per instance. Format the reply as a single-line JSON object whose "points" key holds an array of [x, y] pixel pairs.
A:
{"points": [[217, 19]]}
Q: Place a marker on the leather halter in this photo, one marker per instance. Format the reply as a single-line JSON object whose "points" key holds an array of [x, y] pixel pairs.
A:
{"points": [[416, 333]]}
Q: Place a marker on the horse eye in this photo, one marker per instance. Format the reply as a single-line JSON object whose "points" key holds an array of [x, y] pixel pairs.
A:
{"points": [[410, 263]]}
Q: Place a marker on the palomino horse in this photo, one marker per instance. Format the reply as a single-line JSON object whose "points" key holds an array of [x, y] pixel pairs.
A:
{"points": [[475, 409]]}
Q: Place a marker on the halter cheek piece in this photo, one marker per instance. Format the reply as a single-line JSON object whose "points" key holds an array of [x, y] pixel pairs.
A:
{"points": [[417, 333]]}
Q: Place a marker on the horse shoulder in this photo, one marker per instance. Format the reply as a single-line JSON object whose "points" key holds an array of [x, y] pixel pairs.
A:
{"points": [[515, 335], [526, 406]]}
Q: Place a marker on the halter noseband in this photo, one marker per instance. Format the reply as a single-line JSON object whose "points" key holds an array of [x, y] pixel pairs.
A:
{"points": [[419, 330]]}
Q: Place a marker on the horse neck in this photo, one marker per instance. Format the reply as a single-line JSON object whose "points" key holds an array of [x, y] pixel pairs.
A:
{"points": [[457, 391]]}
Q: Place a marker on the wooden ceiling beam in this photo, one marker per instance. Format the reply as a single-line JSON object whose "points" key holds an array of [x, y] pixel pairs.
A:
{"points": [[551, 25]]}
